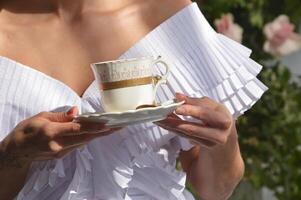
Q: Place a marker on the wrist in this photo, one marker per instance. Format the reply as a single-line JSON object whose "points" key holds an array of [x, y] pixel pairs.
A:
{"points": [[227, 169]]}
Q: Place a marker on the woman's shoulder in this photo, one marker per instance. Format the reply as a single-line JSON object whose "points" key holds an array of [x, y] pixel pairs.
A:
{"points": [[162, 10], [149, 12]]}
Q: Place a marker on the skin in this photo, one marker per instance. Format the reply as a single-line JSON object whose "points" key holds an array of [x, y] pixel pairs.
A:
{"points": [[39, 33], [214, 166]]}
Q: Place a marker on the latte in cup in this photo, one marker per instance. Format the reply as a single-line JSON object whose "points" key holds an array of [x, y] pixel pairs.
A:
{"points": [[129, 83]]}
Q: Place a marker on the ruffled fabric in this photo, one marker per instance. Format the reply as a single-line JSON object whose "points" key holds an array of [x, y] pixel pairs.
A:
{"points": [[203, 62], [139, 169], [154, 166], [139, 162], [46, 177]]}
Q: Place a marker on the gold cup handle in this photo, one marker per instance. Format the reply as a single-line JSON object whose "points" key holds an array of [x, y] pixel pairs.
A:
{"points": [[160, 79]]}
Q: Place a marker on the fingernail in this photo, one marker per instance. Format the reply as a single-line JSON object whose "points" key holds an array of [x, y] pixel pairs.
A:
{"points": [[70, 112], [180, 96]]}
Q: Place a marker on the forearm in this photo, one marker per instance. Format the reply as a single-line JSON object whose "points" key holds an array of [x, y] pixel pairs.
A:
{"points": [[216, 172], [12, 174]]}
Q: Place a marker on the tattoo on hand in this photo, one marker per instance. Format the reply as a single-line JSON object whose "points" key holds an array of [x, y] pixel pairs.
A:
{"points": [[10, 160]]}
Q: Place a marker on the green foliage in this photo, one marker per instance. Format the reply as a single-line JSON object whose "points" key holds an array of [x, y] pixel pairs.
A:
{"points": [[270, 133], [270, 136]]}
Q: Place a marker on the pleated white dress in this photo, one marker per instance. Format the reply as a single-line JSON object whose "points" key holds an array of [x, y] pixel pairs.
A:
{"points": [[138, 163]]}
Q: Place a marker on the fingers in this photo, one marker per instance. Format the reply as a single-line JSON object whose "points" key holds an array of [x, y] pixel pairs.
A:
{"points": [[58, 129], [181, 97], [60, 143], [72, 111], [59, 154], [55, 129], [202, 133], [195, 140], [194, 131], [213, 128], [61, 123], [208, 116], [90, 127], [60, 116], [61, 146], [204, 101], [51, 134], [64, 152], [67, 141], [208, 111], [56, 136]]}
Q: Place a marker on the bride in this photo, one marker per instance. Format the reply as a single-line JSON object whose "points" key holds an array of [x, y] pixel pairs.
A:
{"points": [[46, 47]]}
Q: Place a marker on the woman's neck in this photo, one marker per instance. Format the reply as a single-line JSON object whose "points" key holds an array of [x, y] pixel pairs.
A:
{"points": [[64, 8]]}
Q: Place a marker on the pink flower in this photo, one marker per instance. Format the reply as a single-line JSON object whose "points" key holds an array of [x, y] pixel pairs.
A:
{"points": [[281, 39], [226, 26]]}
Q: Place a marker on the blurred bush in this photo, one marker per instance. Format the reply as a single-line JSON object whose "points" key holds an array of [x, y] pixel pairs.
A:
{"points": [[270, 133]]}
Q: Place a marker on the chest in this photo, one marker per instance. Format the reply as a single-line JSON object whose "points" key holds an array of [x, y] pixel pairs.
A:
{"points": [[66, 52]]}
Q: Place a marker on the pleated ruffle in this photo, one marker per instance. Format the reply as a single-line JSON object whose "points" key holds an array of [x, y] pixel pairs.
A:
{"points": [[202, 62], [51, 179]]}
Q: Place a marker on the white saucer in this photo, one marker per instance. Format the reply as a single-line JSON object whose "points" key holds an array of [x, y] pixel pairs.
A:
{"points": [[115, 119]]}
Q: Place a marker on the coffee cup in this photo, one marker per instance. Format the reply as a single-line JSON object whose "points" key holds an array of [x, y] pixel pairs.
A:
{"points": [[129, 83]]}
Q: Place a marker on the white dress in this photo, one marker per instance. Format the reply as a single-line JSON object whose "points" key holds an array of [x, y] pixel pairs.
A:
{"points": [[137, 163]]}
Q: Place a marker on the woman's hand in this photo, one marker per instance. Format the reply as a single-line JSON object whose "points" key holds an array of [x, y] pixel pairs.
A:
{"points": [[47, 136], [212, 125], [214, 166]]}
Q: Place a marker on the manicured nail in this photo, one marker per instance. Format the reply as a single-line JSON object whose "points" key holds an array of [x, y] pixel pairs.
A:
{"points": [[180, 96], [70, 112]]}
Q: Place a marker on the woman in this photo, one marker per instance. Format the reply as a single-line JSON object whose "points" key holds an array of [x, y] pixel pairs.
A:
{"points": [[58, 39]]}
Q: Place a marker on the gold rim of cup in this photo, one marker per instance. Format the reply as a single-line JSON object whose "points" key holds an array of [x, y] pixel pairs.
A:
{"points": [[127, 83]]}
